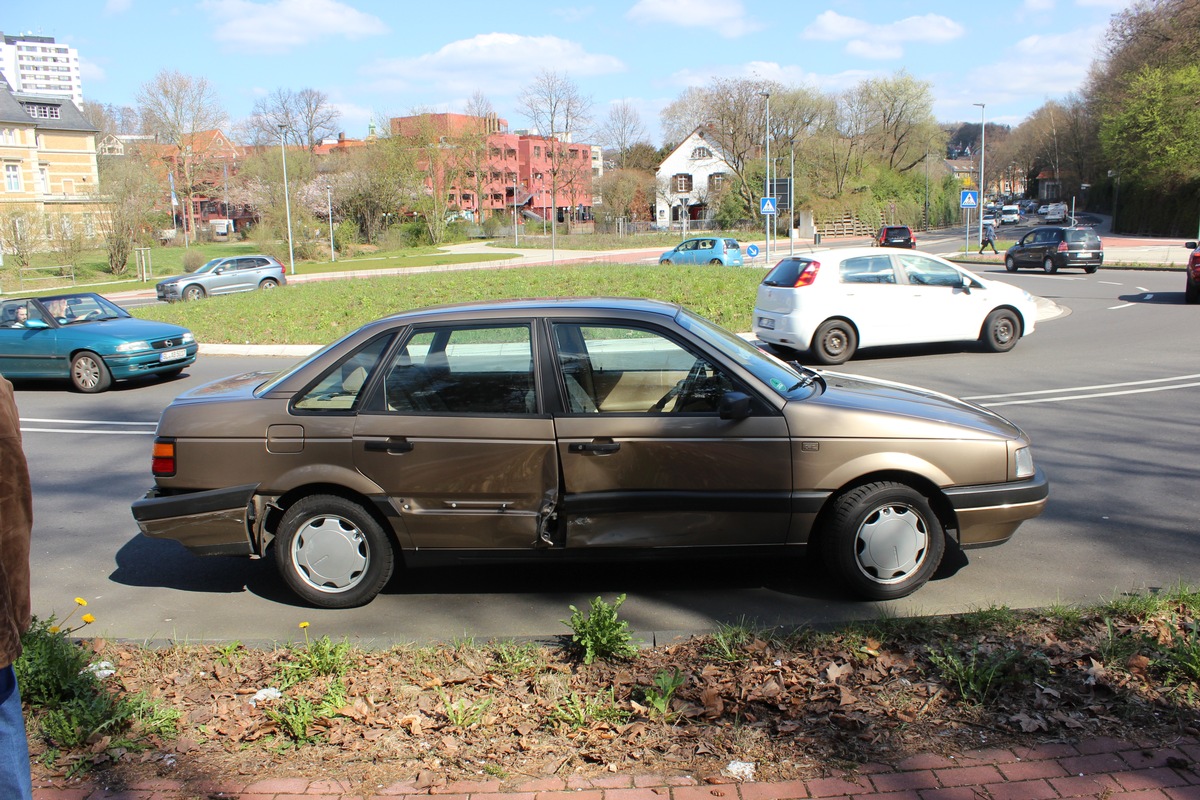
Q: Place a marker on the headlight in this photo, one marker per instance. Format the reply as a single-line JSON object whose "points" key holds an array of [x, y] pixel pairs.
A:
{"points": [[1025, 463], [188, 338], [129, 347]]}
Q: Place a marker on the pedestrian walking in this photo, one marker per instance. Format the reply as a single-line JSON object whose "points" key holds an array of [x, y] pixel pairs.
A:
{"points": [[988, 239], [16, 521]]}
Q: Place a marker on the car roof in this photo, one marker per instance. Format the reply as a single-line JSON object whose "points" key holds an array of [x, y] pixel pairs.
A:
{"points": [[543, 306]]}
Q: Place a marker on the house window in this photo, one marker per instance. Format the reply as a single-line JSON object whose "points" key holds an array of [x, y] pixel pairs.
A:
{"points": [[716, 181], [12, 177], [40, 111], [681, 183], [702, 152], [537, 151]]}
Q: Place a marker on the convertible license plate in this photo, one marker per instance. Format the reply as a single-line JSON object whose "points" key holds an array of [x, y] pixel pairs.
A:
{"points": [[173, 355], [767, 322]]}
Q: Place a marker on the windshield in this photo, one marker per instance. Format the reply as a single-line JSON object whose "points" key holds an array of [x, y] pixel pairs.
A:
{"points": [[787, 381], [71, 309], [209, 266]]}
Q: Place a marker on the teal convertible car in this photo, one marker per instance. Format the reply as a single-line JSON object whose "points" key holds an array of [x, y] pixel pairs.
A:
{"points": [[88, 339]]}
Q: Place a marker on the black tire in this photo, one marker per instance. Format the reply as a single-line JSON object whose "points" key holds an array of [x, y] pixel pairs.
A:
{"points": [[717, 261], [1049, 266], [268, 283], [89, 373], [883, 540], [193, 292], [1191, 293], [1090, 270], [1001, 331], [1010, 264], [170, 374], [349, 544], [666, 262], [834, 342]]}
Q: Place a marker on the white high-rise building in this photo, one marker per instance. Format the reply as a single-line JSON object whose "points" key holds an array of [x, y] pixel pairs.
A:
{"points": [[37, 65]]}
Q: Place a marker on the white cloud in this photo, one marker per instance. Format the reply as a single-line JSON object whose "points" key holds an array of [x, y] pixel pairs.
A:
{"points": [[572, 14], [503, 62], [788, 75], [725, 17], [281, 25], [117, 6], [1038, 6], [882, 41]]}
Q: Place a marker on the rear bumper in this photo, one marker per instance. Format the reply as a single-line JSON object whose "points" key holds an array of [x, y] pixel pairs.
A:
{"points": [[214, 522], [990, 514]]}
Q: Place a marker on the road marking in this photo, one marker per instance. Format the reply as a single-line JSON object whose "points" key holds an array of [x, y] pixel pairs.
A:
{"points": [[1126, 305], [1141, 387], [1111, 283], [114, 431]]}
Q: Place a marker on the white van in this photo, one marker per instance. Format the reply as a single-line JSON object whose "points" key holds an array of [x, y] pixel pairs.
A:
{"points": [[1010, 215], [1057, 213]]}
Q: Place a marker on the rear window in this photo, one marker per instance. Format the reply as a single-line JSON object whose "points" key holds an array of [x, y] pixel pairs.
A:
{"points": [[786, 272], [732, 244], [897, 232], [1088, 238]]}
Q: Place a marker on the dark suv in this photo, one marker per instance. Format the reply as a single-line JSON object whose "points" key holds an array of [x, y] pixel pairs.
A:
{"points": [[1053, 248], [1192, 291], [896, 236]]}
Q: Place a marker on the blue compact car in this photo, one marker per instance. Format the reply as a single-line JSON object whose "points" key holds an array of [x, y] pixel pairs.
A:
{"points": [[705, 250], [87, 339]]}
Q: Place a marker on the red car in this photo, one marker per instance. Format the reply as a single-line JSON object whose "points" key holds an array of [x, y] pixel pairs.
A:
{"points": [[1192, 292]]}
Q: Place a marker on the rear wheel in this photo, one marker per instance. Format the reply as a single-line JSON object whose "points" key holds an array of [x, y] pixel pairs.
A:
{"points": [[883, 540], [1049, 266], [716, 261], [1001, 330], [834, 342], [268, 283], [1010, 264], [1192, 292], [193, 292], [1089, 270], [89, 373], [332, 552]]}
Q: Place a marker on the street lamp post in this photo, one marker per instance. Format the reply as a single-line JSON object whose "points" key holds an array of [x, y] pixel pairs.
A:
{"points": [[767, 182], [982, 161], [516, 239], [287, 203], [792, 197], [329, 208]]}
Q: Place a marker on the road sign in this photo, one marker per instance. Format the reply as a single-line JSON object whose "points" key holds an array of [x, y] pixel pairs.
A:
{"points": [[767, 205], [968, 199], [752, 250]]}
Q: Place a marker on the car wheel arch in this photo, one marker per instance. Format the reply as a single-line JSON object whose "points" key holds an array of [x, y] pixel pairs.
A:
{"points": [[275, 506], [915, 480]]}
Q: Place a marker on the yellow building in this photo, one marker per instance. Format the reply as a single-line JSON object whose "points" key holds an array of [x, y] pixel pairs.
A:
{"points": [[47, 160]]}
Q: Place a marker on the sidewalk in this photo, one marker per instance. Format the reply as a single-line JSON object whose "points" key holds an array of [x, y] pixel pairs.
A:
{"points": [[1109, 769]]}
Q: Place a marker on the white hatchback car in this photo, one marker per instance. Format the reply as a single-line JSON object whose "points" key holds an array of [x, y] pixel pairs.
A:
{"points": [[831, 302]]}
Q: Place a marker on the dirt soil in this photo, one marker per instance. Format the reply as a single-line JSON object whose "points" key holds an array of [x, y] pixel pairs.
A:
{"points": [[789, 707]]}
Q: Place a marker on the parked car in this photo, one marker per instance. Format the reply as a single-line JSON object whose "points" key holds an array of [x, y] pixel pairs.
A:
{"points": [[223, 276], [1010, 215], [1043, 209], [87, 339], [1054, 247], [1192, 289], [705, 250], [1056, 212], [576, 430], [990, 219], [832, 302], [896, 236]]}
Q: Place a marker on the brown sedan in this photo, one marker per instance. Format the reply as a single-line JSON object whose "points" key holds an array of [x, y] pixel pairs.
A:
{"points": [[584, 428]]}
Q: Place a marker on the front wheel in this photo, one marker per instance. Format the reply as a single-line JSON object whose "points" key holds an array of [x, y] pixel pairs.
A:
{"points": [[883, 540], [89, 373], [1010, 264], [666, 262], [1049, 266], [1001, 330], [193, 292], [834, 342], [332, 552]]}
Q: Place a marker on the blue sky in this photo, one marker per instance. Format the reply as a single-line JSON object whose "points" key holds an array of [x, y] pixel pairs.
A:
{"points": [[381, 58]]}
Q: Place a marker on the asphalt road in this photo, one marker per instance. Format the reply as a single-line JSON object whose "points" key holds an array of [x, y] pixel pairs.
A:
{"points": [[1109, 391]]}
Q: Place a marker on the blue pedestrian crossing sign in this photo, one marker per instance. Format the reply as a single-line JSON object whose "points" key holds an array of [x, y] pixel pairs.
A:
{"points": [[767, 205], [752, 250], [969, 199]]}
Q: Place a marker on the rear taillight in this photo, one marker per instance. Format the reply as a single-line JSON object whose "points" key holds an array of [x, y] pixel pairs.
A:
{"points": [[162, 462], [808, 274], [1062, 247]]}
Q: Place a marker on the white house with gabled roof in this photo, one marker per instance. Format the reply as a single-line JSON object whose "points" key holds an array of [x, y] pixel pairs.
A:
{"points": [[689, 178]]}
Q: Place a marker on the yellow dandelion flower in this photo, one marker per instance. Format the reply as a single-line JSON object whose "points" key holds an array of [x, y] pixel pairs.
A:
{"points": [[54, 629], [79, 601], [303, 624], [88, 619]]}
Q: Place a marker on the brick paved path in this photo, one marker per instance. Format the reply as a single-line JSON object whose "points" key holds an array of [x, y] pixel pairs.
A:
{"points": [[1108, 769]]}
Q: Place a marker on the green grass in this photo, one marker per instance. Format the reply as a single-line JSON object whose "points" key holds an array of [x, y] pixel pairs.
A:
{"points": [[318, 313]]}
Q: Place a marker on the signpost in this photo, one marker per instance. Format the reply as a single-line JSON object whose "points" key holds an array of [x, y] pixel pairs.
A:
{"points": [[968, 199]]}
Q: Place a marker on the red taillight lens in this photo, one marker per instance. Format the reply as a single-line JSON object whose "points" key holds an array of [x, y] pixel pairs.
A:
{"points": [[808, 274], [162, 461]]}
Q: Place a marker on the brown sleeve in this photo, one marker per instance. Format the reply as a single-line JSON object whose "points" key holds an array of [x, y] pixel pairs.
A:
{"points": [[16, 521]]}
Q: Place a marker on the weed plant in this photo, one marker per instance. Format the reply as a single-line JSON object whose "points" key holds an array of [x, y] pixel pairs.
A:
{"points": [[600, 634]]}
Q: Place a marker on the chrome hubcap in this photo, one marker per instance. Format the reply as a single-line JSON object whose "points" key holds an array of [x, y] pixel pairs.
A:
{"points": [[87, 373]]}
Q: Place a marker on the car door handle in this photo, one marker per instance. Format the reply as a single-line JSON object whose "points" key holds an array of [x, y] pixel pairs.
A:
{"points": [[394, 445], [600, 448]]}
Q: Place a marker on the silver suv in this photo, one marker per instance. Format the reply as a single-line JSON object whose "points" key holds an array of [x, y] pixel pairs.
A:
{"points": [[223, 276]]}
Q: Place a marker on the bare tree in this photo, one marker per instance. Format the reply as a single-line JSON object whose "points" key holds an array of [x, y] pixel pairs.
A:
{"points": [[557, 110], [126, 207], [621, 129], [316, 118], [176, 108], [305, 117], [478, 105]]}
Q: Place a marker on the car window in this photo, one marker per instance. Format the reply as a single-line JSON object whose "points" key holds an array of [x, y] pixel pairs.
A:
{"points": [[1088, 238], [688, 245], [467, 370], [340, 388], [706, 244], [732, 244], [923, 271], [619, 369], [867, 269]]}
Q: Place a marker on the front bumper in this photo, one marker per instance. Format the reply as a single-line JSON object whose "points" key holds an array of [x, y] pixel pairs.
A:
{"points": [[217, 522], [990, 514], [148, 362]]}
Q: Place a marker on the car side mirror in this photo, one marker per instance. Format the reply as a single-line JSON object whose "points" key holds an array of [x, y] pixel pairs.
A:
{"points": [[734, 405], [36, 323], [1190, 245], [218, 270]]}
